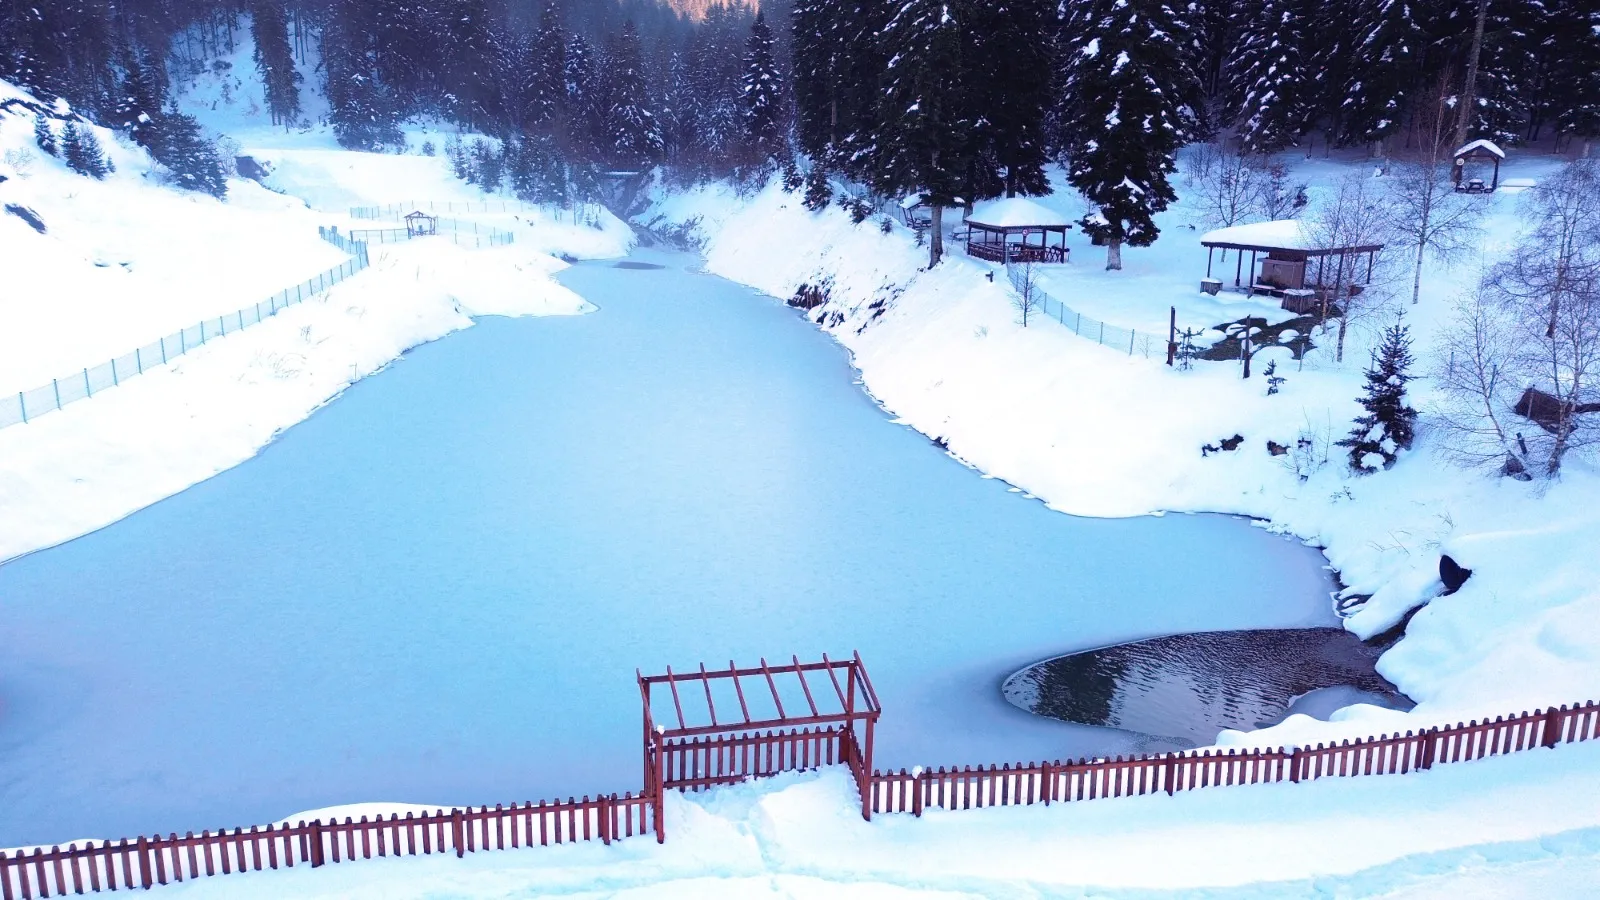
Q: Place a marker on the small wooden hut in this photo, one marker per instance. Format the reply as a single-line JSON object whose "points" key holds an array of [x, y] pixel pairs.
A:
{"points": [[1477, 154], [1016, 229], [915, 212], [1294, 262], [419, 223]]}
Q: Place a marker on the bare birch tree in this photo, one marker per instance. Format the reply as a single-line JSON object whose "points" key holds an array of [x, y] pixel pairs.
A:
{"points": [[1476, 383], [1026, 296], [1426, 212], [1224, 183], [1353, 215]]}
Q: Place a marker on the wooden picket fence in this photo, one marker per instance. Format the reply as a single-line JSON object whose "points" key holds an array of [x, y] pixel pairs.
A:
{"points": [[701, 762], [148, 862], [1023, 784]]}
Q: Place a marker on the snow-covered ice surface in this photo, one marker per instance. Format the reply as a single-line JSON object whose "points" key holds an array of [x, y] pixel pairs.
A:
{"points": [[437, 589], [1523, 826]]}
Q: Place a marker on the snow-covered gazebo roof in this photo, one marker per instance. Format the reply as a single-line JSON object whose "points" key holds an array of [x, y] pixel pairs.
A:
{"points": [[1290, 235], [1480, 148], [1015, 213]]}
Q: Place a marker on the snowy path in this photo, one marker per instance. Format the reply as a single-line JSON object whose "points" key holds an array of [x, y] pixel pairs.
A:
{"points": [[437, 589]]}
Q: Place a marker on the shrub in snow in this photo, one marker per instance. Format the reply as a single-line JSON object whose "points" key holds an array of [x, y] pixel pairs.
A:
{"points": [[1274, 380], [1389, 424], [44, 134], [818, 191], [792, 179], [83, 153], [176, 142], [427, 148]]}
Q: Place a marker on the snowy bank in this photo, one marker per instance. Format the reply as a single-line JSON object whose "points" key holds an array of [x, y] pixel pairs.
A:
{"points": [[1095, 432]]}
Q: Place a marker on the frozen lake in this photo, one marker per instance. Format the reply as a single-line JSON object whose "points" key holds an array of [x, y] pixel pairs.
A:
{"points": [[437, 589]]}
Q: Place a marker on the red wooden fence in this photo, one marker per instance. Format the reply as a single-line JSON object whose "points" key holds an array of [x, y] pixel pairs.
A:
{"points": [[700, 762], [147, 862], [1023, 784]]}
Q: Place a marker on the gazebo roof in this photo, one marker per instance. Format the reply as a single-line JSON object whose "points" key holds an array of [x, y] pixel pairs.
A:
{"points": [[1489, 147], [1283, 234], [1015, 212]]}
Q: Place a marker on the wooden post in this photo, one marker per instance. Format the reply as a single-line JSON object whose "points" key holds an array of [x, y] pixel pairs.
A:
{"points": [[144, 864], [1552, 726], [658, 799], [314, 835], [865, 778], [456, 833], [1430, 747], [1169, 774], [1294, 765], [1172, 329]]}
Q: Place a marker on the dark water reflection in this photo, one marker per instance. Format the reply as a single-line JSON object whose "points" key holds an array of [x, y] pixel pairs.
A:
{"points": [[1185, 688]]}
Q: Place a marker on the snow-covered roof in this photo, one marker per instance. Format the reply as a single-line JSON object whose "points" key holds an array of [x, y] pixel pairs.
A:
{"points": [[1016, 212], [1482, 144], [911, 201], [1284, 234]]}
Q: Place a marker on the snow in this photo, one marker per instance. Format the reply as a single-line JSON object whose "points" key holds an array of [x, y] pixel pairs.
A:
{"points": [[1517, 826], [1284, 234], [1094, 432], [1015, 212], [1482, 144]]}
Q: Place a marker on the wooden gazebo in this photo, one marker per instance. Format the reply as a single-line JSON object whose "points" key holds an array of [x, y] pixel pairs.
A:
{"points": [[1479, 151], [773, 718], [419, 223], [1016, 229], [1296, 264]]}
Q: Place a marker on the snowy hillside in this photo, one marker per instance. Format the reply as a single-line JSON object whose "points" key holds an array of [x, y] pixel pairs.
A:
{"points": [[125, 260], [1094, 431]]}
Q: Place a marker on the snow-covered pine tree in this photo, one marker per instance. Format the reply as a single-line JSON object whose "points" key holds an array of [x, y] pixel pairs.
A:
{"points": [[545, 101], [469, 50], [581, 137], [1270, 78], [1379, 93], [634, 135], [143, 95], [923, 141], [177, 142], [269, 26], [762, 94], [819, 192], [44, 134], [1009, 43], [859, 28], [82, 151], [363, 113], [814, 77], [1124, 82], [1389, 425], [1576, 82], [1211, 38]]}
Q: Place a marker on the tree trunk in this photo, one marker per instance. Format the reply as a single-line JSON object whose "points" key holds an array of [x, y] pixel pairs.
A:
{"points": [[1338, 355], [1469, 90], [936, 235], [1114, 254], [1416, 276]]}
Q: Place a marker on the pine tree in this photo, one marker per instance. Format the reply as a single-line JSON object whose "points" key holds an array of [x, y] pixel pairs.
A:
{"points": [[545, 105], [44, 134], [143, 95], [1389, 424], [177, 142], [1124, 118], [1008, 42], [1575, 34], [926, 127], [814, 75], [1270, 77], [82, 151], [362, 110], [581, 139], [1389, 50], [634, 135], [818, 191], [762, 95], [269, 26]]}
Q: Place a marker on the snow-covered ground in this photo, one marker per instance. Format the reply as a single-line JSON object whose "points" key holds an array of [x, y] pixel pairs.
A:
{"points": [[1517, 827], [1095, 432], [127, 259]]}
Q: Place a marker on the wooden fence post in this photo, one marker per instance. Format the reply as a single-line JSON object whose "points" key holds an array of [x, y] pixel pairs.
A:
{"points": [[456, 833], [1430, 748], [1047, 782], [5, 877], [1552, 725], [144, 863], [1169, 774], [1295, 760], [919, 788], [314, 835], [605, 817]]}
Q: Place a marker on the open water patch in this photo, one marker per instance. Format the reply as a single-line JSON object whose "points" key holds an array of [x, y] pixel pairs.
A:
{"points": [[633, 264], [1183, 689]]}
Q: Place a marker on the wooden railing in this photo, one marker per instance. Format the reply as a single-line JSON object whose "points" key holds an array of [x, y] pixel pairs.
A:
{"points": [[147, 862], [696, 763], [1022, 784]]}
